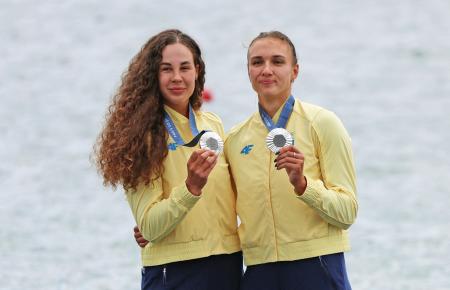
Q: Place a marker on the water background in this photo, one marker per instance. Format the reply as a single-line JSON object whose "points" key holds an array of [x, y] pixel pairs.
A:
{"points": [[382, 66]]}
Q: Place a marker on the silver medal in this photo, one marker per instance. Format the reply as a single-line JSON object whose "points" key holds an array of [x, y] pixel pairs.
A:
{"points": [[211, 141], [278, 138]]}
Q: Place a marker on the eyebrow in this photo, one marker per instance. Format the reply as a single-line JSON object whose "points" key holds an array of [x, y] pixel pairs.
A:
{"points": [[169, 64], [272, 56], [255, 57]]}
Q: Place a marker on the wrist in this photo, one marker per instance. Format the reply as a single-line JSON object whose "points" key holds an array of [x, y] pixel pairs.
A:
{"points": [[193, 189], [301, 186]]}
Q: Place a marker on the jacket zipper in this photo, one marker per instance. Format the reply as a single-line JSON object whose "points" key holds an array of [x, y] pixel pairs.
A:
{"points": [[271, 166]]}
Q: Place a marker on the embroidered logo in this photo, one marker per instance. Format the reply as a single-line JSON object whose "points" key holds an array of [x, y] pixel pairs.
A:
{"points": [[172, 146], [247, 149]]}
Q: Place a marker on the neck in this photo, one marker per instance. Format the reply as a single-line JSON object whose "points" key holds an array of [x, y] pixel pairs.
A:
{"points": [[183, 109], [272, 105]]}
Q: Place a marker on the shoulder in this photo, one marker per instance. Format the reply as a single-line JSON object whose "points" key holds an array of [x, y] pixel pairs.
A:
{"points": [[308, 111], [316, 115], [212, 122], [211, 117], [324, 122]]}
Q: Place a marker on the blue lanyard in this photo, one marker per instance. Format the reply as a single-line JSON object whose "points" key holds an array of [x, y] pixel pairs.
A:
{"points": [[172, 129], [284, 115]]}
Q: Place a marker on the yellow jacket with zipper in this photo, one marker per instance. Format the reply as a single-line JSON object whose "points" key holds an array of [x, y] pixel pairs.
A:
{"points": [[179, 225], [276, 223]]}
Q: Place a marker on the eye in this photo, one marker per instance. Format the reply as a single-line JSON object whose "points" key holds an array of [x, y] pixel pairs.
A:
{"points": [[278, 61], [256, 62], [165, 69], [185, 68]]}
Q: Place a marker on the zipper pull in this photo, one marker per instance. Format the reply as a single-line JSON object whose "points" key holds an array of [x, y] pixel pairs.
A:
{"points": [[164, 276]]}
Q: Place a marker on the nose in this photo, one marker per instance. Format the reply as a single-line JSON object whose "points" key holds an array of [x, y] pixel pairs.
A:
{"points": [[267, 69], [176, 76]]}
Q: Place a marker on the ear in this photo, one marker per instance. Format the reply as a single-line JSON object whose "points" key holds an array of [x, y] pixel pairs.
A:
{"points": [[295, 71]]}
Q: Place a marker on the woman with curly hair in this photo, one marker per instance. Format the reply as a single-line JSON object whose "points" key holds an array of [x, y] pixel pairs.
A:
{"points": [[181, 197]]}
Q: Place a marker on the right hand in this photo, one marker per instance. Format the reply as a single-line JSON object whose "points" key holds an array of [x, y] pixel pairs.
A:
{"points": [[139, 238], [199, 166]]}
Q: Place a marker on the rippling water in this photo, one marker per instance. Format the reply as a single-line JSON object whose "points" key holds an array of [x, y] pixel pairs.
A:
{"points": [[382, 66]]}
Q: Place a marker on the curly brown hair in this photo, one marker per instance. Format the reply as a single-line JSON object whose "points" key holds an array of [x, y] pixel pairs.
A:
{"points": [[133, 143]]}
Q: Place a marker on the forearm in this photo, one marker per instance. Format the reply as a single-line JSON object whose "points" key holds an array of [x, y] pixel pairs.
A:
{"points": [[157, 219], [337, 206]]}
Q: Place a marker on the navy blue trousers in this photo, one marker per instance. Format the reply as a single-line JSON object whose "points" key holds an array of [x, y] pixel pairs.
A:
{"points": [[218, 272], [319, 273]]}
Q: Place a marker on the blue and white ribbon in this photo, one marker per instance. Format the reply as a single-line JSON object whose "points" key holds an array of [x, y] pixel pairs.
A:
{"points": [[284, 115]]}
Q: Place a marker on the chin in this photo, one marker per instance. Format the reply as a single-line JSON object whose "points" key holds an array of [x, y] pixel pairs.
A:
{"points": [[268, 95]]}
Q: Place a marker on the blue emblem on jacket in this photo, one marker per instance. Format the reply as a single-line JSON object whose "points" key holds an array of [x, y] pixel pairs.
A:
{"points": [[247, 149], [172, 146]]}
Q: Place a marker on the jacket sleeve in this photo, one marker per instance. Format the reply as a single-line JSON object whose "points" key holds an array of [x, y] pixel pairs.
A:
{"points": [[334, 195], [155, 215]]}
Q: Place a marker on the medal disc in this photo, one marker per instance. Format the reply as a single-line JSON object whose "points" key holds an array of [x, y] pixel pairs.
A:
{"points": [[278, 138], [211, 141]]}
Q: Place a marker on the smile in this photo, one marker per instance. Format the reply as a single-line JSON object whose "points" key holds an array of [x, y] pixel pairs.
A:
{"points": [[177, 90]]}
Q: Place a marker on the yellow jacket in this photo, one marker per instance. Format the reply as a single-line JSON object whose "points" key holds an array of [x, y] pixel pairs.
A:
{"points": [[179, 225], [276, 224]]}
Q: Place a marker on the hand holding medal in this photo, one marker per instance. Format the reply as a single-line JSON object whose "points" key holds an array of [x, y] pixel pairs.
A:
{"points": [[202, 161], [281, 142], [291, 159], [199, 166]]}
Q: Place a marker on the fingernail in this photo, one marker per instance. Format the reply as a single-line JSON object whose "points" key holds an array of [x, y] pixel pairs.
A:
{"points": [[275, 161], [277, 153]]}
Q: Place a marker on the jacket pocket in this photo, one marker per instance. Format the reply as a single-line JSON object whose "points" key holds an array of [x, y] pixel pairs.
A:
{"points": [[299, 222]]}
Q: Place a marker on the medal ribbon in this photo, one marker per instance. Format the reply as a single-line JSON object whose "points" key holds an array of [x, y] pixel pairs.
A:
{"points": [[284, 115], [176, 136]]}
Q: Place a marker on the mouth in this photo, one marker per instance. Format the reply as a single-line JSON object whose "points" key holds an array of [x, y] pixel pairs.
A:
{"points": [[266, 82], [177, 90]]}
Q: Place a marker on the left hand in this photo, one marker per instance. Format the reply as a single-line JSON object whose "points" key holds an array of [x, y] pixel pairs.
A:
{"points": [[291, 159]]}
